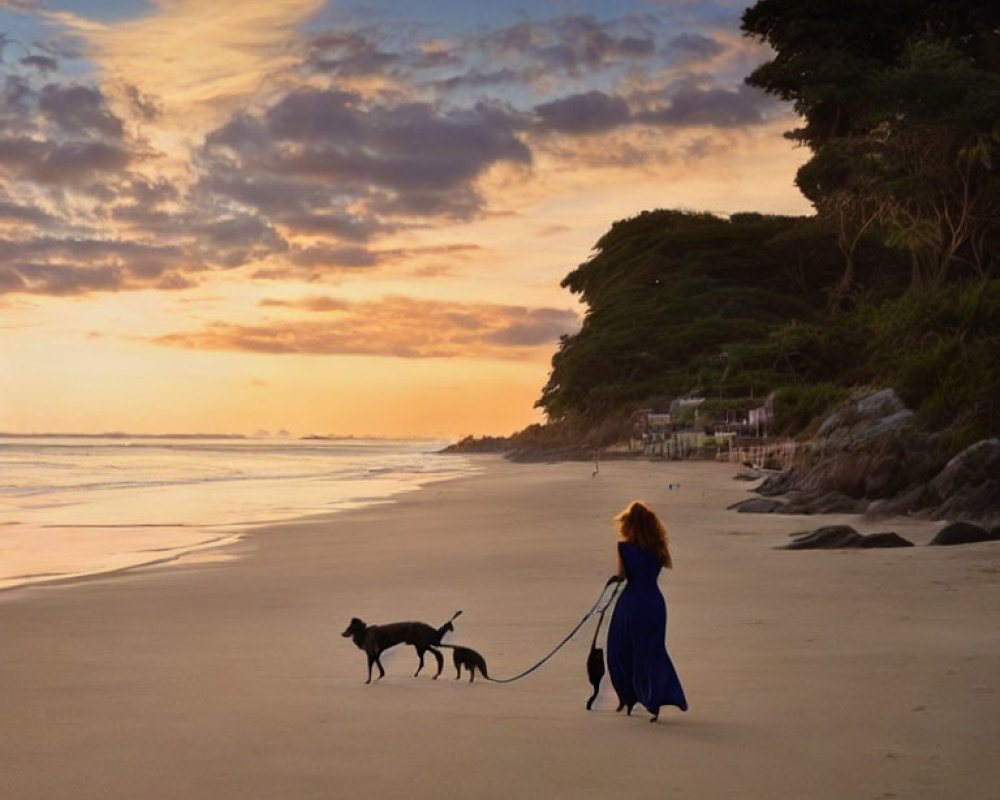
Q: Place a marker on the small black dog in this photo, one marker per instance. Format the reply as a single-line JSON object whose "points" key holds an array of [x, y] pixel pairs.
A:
{"points": [[595, 659], [376, 639], [468, 658]]}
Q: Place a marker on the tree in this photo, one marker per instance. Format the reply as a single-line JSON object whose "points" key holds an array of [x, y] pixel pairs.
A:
{"points": [[901, 104]]}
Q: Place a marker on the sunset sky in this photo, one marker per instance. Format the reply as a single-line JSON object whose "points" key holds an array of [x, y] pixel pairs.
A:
{"points": [[342, 217]]}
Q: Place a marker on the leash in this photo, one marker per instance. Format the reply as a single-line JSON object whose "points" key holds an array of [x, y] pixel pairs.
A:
{"points": [[600, 617], [570, 635]]}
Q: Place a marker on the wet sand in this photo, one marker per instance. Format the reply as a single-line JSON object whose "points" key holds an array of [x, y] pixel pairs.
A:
{"points": [[823, 674]]}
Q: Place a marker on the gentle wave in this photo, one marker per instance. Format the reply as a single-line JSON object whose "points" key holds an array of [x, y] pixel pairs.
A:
{"points": [[73, 507]]}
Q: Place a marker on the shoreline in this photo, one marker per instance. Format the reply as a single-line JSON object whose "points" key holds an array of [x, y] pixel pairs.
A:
{"points": [[222, 680]]}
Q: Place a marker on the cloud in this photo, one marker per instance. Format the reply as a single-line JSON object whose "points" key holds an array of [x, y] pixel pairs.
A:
{"points": [[332, 257], [78, 266], [399, 327], [349, 53], [44, 64], [590, 112], [331, 162], [20, 5], [79, 110], [695, 47], [570, 45], [305, 151], [717, 107]]}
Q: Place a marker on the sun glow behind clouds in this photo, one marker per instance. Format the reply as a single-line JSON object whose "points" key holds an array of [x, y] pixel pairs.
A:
{"points": [[277, 214]]}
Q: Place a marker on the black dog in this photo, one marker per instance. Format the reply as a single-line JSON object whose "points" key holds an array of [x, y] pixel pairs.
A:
{"points": [[376, 639], [595, 659], [468, 658]]}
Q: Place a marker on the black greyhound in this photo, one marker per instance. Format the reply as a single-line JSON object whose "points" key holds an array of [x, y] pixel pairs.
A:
{"points": [[376, 639]]}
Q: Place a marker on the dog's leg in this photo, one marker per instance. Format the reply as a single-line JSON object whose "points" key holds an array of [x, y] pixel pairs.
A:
{"points": [[420, 653], [472, 673], [440, 660], [373, 654]]}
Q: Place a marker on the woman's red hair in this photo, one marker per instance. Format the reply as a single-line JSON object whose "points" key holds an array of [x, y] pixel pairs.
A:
{"points": [[638, 525]]}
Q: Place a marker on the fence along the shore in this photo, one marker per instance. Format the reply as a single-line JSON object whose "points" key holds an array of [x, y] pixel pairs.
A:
{"points": [[750, 450]]}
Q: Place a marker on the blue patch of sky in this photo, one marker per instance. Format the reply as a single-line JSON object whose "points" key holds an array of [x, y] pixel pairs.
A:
{"points": [[106, 11], [444, 17], [28, 32]]}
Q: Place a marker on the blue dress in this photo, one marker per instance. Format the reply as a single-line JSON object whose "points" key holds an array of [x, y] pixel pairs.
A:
{"points": [[638, 664]]}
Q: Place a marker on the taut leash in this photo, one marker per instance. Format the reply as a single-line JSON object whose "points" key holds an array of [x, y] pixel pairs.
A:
{"points": [[570, 635]]}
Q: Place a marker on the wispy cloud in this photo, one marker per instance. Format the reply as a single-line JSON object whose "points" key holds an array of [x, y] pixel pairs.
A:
{"points": [[394, 326]]}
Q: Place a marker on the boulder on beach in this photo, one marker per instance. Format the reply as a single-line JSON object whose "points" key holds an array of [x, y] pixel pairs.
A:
{"points": [[886, 539], [823, 503], [758, 505], [964, 533], [838, 537]]}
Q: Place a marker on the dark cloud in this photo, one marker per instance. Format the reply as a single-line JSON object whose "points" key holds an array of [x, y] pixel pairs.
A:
{"points": [[717, 107], [67, 266], [51, 162], [11, 281], [571, 45], [44, 64], [328, 162], [233, 241], [15, 212], [61, 279], [333, 257], [536, 326], [348, 53], [314, 116], [694, 46], [79, 111], [145, 106], [59, 134], [590, 112]]}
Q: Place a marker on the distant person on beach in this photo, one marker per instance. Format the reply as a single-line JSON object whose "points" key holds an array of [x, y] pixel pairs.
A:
{"points": [[638, 664]]}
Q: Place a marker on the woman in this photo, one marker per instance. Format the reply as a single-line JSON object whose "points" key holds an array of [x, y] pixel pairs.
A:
{"points": [[638, 664]]}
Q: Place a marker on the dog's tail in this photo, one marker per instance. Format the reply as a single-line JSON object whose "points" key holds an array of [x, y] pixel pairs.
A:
{"points": [[447, 627]]}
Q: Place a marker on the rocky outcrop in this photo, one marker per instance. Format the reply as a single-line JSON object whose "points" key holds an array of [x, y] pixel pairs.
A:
{"points": [[868, 449], [967, 488], [801, 503], [870, 453], [964, 533], [836, 537], [758, 505]]}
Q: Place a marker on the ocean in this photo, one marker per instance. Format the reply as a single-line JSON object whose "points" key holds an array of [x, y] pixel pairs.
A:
{"points": [[78, 506]]}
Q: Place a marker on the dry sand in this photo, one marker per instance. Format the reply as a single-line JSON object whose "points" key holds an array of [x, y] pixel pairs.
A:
{"points": [[838, 674]]}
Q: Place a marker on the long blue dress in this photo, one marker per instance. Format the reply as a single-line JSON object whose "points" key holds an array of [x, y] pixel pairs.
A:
{"points": [[638, 664]]}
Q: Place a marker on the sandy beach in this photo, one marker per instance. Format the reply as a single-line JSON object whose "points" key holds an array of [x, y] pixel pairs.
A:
{"points": [[824, 674]]}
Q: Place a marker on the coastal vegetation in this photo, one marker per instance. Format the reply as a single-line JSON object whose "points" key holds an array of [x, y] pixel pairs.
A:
{"points": [[891, 284]]}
